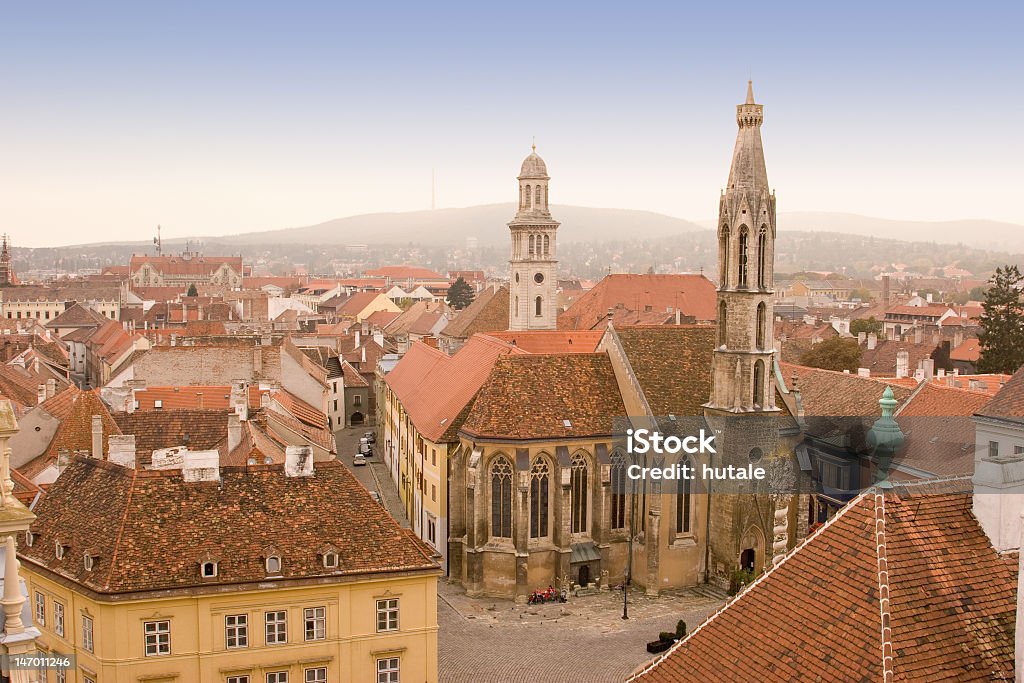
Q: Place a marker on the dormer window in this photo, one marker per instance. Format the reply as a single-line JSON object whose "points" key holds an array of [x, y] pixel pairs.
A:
{"points": [[331, 560], [29, 539], [208, 570], [274, 564], [88, 561], [59, 550]]}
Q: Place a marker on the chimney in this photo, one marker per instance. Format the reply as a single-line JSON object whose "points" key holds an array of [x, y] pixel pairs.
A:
{"points": [[234, 431], [862, 337], [200, 465], [872, 341], [40, 394], [174, 340], [298, 461], [51, 387], [998, 494], [940, 373], [363, 354], [902, 364], [97, 437], [358, 339], [928, 364], [885, 289], [972, 384], [122, 450], [240, 399], [863, 372], [378, 337], [63, 460], [679, 317]]}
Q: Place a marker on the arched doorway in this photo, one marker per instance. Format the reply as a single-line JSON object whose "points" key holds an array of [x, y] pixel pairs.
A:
{"points": [[584, 576], [357, 419], [747, 559]]}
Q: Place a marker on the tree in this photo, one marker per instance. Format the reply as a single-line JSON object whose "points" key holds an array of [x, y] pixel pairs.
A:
{"points": [[460, 294], [1002, 323], [837, 353], [867, 326], [192, 291]]}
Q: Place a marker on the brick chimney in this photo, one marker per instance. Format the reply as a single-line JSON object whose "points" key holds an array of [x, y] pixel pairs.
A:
{"points": [[298, 461], [51, 387], [902, 364], [97, 437]]}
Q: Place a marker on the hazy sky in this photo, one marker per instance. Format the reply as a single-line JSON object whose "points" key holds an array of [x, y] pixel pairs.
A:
{"points": [[247, 116]]}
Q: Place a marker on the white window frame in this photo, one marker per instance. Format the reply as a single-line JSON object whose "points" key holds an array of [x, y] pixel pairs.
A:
{"points": [[88, 636], [58, 618], [315, 623], [203, 572], [244, 678], [279, 623], [317, 674], [40, 609], [387, 615], [390, 671], [157, 637], [239, 630], [277, 677]]}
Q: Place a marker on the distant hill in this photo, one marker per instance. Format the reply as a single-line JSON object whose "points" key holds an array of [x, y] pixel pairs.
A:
{"points": [[486, 223], [979, 233]]}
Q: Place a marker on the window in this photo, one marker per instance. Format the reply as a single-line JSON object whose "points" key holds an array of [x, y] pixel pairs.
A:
{"points": [[29, 538], [547, 244], [209, 570], [87, 642], [274, 564], [433, 492], [579, 494], [762, 257], [331, 560], [58, 618], [335, 405], [618, 482], [761, 320], [993, 449], [387, 614], [433, 457], [277, 627], [1018, 450], [58, 550], [88, 679], [501, 498], [387, 670], [238, 679], [357, 400], [531, 245], [158, 638], [40, 609], [236, 630], [538, 305], [723, 323], [683, 505], [539, 505], [723, 255], [431, 530], [315, 619], [60, 676], [317, 675], [277, 677], [758, 397], [743, 256]]}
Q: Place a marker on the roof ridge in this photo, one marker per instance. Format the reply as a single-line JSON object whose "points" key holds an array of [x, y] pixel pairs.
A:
{"points": [[120, 528], [883, 587]]}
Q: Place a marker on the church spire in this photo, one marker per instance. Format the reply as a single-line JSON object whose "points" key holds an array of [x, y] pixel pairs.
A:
{"points": [[533, 287], [750, 92]]}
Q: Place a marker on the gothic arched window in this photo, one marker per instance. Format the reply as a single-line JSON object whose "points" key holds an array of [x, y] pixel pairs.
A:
{"points": [[723, 323], [683, 505], [762, 257], [501, 498], [758, 383], [743, 256], [761, 324], [539, 305], [539, 481], [723, 255], [579, 493], [618, 520], [547, 245]]}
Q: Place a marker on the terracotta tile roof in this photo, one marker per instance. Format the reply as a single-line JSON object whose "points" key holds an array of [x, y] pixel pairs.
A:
{"points": [[159, 294], [1009, 402], [837, 394], [882, 359], [357, 303], [18, 385], [487, 313], [672, 365], [818, 614], [552, 341], [939, 432], [299, 409], [417, 319], [151, 529], [931, 310], [530, 396], [176, 265], [319, 436], [77, 315], [693, 295], [74, 408], [193, 396], [435, 388], [381, 319], [936, 400], [968, 352], [352, 376], [156, 429]]}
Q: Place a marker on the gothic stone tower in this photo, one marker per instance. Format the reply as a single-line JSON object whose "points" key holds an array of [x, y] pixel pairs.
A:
{"points": [[742, 369], [532, 291], [741, 408]]}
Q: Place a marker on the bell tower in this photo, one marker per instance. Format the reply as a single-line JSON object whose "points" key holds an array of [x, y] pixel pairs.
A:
{"points": [[532, 292], [743, 363]]}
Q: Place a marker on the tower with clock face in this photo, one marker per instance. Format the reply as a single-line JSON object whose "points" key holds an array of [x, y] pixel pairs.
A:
{"points": [[533, 287]]}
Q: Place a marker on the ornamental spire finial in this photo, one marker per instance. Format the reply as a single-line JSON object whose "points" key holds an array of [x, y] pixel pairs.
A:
{"points": [[750, 92]]}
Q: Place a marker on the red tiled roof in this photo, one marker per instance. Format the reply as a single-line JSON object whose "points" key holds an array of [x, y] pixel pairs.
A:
{"points": [[381, 319], [177, 265], [404, 273], [931, 310], [817, 616], [552, 341], [156, 429], [75, 409], [672, 365], [149, 530], [351, 376], [77, 315], [487, 313], [693, 295], [1009, 402], [837, 394], [968, 352], [531, 396], [435, 388]]}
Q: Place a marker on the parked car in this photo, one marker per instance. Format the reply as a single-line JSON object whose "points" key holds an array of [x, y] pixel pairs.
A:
{"points": [[371, 437], [376, 497], [366, 450], [358, 459]]}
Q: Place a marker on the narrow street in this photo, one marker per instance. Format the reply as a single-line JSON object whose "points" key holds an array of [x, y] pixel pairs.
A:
{"points": [[373, 475]]}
